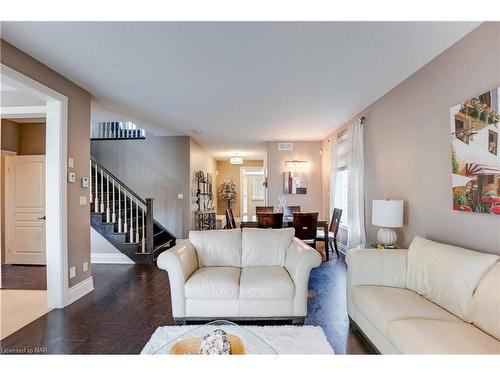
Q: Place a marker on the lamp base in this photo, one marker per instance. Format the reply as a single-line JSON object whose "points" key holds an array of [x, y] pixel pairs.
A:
{"points": [[387, 236]]}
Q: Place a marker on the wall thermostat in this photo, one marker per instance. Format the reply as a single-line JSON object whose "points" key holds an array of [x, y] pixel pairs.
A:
{"points": [[85, 182]]}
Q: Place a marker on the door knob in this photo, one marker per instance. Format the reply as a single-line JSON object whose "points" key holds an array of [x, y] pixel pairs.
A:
{"points": [[42, 218]]}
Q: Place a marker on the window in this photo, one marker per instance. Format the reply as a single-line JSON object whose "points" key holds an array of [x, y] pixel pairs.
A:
{"points": [[341, 177], [461, 131], [493, 142]]}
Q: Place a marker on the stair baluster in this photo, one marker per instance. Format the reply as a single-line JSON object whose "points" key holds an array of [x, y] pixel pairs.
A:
{"points": [[125, 227], [91, 197], [113, 214], [102, 192], [108, 212], [119, 208], [96, 203], [131, 233]]}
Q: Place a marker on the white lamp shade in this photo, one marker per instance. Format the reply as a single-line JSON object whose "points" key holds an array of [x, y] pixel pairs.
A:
{"points": [[387, 213]]}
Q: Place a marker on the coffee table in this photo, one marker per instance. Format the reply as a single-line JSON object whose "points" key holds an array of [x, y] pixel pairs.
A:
{"points": [[253, 344]]}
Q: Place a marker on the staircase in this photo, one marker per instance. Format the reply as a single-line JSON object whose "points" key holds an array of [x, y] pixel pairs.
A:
{"points": [[125, 219]]}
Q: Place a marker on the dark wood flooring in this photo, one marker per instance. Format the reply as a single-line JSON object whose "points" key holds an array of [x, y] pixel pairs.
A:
{"points": [[130, 301], [24, 277]]}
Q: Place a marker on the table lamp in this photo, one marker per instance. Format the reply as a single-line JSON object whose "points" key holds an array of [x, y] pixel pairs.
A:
{"points": [[387, 214]]}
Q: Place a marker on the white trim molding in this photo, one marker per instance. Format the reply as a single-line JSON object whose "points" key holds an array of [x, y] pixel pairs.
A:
{"points": [[109, 258], [79, 290], [56, 201]]}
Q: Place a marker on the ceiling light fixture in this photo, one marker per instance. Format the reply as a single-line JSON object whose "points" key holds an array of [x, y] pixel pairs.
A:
{"points": [[236, 160]]}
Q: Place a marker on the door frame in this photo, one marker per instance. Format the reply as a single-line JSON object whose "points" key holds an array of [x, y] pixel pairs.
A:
{"points": [[260, 171], [56, 202]]}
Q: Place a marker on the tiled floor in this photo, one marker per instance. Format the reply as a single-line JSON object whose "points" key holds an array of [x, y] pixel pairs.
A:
{"points": [[131, 301]]}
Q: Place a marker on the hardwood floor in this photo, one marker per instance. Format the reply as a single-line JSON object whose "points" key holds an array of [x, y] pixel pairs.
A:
{"points": [[130, 301], [24, 277]]}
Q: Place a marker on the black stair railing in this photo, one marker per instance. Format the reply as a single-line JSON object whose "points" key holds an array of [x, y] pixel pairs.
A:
{"points": [[132, 214]]}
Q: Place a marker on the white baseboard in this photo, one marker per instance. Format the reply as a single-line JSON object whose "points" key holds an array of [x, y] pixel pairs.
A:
{"points": [[79, 290], [110, 258]]}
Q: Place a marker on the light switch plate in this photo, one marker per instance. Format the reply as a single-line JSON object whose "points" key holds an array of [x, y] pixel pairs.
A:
{"points": [[84, 182], [72, 272], [83, 201], [71, 177], [70, 163], [85, 266], [180, 196]]}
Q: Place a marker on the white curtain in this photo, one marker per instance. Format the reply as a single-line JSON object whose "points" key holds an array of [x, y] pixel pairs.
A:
{"points": [[356, 190], [333, 172]]}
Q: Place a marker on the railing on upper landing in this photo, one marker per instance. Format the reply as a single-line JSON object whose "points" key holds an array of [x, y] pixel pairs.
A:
{"points": [[122, 206], [115, 130]]}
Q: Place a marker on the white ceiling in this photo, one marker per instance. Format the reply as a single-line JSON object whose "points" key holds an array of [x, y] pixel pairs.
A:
{"points": [[241, 84]]}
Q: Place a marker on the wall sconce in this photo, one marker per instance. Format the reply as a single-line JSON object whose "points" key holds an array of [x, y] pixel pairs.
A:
{"points": [[297, 165], [236, 160]]}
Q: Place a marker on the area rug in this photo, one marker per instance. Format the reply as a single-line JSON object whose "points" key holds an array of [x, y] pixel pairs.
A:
{"points": [[284, 339]]}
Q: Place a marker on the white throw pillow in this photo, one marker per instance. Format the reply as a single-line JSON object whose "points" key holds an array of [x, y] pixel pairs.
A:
{"points": [[445, 274], [265, 247], [217, 248]]}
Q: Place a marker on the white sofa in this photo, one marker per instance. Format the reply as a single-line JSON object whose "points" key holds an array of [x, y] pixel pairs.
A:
{"points": [[430, 299], [239, 274]]}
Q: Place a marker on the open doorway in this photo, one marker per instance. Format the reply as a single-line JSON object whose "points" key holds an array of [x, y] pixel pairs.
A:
{"points": [[252, 189], [33, 272]]}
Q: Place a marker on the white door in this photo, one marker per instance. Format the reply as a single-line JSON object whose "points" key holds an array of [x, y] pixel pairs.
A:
{"points": [[25, 209]]}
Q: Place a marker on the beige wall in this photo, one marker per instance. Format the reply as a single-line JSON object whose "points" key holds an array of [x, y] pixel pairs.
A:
{"points": [[407, 143], [23, 138], [32, 139], [228, 171], [10, 135], [302, 150], [78, 149], [199, 160]]}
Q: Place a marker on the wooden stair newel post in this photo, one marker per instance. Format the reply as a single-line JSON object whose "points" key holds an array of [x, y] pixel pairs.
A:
{"points": [[149, 227]]}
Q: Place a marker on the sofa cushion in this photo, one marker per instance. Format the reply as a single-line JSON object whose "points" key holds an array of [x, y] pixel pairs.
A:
{"points": [[265, 247], [217, 248], [485, 305], [381, 305], [445, 274], [214, 283], [428, 336], [266, 283]]}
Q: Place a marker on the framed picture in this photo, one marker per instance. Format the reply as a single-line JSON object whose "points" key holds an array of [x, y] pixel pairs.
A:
{"points": [[294, 183], [475, 160]]}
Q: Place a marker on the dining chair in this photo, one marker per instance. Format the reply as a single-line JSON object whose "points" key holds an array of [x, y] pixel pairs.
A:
{"points": [[290, 210], [332, 230], [270, 220], [230, 222], [264, 209], [306, 226]]}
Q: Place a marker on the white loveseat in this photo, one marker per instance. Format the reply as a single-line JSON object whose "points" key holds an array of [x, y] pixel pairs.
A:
{"points": [[429, 299], [239, 274]]}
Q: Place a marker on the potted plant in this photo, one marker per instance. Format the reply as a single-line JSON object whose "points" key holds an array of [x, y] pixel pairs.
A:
{"points": [[228, 192]]}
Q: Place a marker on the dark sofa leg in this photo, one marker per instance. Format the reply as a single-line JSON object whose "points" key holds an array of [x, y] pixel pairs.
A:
{"points": [[298, 321], [179, 321]]}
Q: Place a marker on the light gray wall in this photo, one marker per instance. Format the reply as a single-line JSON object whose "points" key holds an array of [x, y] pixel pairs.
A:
{"points": [[407, 143], [157, 167]]}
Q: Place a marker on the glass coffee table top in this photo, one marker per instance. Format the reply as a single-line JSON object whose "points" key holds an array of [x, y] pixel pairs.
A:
{"points": [[252, 343]]}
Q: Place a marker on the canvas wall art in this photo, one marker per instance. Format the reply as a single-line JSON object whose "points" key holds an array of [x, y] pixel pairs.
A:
{"points": [[475, 159]]}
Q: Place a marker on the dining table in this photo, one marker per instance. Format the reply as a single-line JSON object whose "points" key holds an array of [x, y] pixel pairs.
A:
{"points": [[250, 221]]}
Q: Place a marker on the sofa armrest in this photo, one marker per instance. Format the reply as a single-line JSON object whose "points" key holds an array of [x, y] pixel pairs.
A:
{"points": [[180, 262], [374, 267], [300, 260]]}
